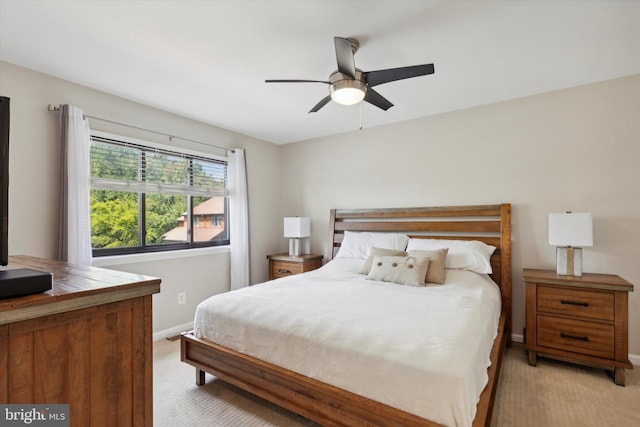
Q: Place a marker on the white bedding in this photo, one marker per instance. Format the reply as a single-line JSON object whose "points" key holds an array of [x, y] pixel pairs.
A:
{"points": [[424, 350]]}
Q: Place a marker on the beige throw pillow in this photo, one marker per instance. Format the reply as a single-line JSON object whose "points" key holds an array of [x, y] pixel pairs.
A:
{"points": [[398, 269], [366, 267], [437, 257]]}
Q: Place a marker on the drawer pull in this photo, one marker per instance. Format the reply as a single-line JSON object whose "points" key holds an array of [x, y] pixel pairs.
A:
{"points": [[283, 271], [574, 337], [582, 304]]}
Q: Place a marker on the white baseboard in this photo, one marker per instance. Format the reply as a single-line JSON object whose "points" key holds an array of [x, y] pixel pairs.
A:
{"points": [[160, 335], [633, 358]]}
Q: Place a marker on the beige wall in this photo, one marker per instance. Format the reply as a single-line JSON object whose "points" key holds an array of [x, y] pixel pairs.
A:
{"points": [[575, 149], [34, 183]]}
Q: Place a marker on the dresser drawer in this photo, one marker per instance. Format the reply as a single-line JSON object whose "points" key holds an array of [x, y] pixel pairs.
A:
{"points": [[576, 302], [579, 336], [283, 269]]}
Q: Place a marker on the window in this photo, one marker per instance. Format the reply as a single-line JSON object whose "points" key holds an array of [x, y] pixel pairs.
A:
{"points": [[147, 198]]}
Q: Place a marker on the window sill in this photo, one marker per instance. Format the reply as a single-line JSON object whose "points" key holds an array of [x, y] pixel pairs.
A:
{"points": [[156, 256]]}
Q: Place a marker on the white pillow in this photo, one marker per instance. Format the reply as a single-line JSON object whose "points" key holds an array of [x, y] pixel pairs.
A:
{"points": [[357, 244], [472, 255]]}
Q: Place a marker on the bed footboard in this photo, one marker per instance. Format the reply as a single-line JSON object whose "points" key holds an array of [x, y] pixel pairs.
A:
{"points": [[317, 401], [305, 396]]}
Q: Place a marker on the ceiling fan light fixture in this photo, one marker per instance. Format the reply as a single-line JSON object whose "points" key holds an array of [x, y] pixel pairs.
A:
{"points": [[348, 92], [349, 85]]}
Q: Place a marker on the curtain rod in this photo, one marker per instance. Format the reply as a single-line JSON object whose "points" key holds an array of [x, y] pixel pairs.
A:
{"points": [[52, 107]]}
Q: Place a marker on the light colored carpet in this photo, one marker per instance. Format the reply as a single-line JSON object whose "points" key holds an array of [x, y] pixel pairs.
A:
{"points": [[553, 394], [559, 394]]}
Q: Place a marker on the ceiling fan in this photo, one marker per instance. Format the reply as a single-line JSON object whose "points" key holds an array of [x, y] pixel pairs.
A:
{"points": [[350, 85]]}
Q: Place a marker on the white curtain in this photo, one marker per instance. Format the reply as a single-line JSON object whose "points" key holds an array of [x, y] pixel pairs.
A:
{"points": [[238, 219], [75, 226]]}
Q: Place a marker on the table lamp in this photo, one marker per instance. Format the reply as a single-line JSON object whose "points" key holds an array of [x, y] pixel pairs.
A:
{"points": [[570, 232], [296, 228]]}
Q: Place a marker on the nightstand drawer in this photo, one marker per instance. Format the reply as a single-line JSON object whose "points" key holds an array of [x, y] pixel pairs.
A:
{"points": [[283, 265], [283, 269], [576, 302], [578, 336]]}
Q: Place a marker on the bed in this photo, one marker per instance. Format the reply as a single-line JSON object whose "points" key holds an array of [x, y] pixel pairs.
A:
{"points": [[326, 395]]}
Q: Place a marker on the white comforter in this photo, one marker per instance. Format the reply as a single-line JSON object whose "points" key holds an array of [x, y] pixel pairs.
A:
{"points": [[424, 350]]}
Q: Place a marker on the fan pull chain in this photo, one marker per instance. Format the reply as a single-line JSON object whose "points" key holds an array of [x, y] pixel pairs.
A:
{"points": [[360, 115]]}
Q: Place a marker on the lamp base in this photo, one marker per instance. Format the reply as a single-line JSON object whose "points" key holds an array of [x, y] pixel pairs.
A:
{"points": [[295, 248], [569, 261]]}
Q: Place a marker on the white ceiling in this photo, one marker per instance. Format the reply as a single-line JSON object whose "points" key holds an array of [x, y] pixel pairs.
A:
{"points": [[208, 60]]}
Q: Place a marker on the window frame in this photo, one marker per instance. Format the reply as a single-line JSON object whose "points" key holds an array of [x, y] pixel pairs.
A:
{"points": [[144, 247]]}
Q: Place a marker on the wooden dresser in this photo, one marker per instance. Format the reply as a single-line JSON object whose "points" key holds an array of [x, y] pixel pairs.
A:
{"points": [[581, 319], [87, 342], [282, 265]]}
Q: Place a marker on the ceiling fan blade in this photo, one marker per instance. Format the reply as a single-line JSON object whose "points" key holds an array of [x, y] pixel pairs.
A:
{"points": [[344, 56], [374, 98], [379, 77], [321, 104], [297, 81]]}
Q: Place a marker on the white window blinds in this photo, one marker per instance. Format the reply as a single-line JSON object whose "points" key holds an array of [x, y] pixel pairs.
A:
{"points": [[124, 166]]}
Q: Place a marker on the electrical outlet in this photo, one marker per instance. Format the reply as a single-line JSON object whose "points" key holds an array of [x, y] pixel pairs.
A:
{"points": [[182, 297]]}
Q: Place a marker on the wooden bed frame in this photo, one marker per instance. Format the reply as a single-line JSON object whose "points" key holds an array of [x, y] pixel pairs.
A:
{"points": [[329, 405]]}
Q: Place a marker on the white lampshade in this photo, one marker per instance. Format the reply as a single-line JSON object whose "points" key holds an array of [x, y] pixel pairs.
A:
{"points": [[297, 227], [570, 229]]}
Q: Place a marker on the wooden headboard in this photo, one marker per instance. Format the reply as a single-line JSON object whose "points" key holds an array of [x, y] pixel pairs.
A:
{"points": [[488, 223]]}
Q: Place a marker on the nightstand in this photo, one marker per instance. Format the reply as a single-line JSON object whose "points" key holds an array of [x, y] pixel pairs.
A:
{"points": [[579, 319], [282, 265]]}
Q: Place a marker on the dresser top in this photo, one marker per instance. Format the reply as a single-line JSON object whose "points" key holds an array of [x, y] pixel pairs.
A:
{"points": [[73, 287], [588, 280]]}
